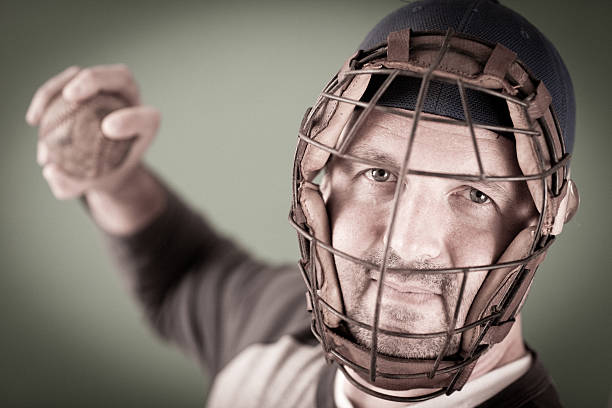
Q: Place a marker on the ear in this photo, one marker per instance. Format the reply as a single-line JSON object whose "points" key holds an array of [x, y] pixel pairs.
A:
{"points": [[325, 186], [573, 200], [567, 208]]}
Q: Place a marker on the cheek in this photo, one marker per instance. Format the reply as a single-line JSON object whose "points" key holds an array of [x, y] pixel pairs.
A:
{"points": [[472, 244], [357, 230], [354, 235], [357, 226], [354, 283]]}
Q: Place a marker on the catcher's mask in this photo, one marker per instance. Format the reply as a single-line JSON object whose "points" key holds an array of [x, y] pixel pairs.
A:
{"points": [[328, 129]]}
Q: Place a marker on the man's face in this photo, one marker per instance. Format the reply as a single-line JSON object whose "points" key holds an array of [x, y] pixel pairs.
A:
{"points": [[440, 223]]}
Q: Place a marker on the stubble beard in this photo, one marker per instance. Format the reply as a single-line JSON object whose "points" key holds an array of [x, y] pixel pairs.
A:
{"points": [[404, 318], [417, 348]]}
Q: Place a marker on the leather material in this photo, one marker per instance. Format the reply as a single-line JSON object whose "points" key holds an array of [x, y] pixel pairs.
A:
{"points": [[328, 286], [325, 126], [496, 287], [398, 46]]}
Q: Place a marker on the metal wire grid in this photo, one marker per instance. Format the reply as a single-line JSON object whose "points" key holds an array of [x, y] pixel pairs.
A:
{"points": [[538, 246]]}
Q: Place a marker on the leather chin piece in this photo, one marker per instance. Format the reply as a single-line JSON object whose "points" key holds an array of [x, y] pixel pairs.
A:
{"points": [[543, 162]]}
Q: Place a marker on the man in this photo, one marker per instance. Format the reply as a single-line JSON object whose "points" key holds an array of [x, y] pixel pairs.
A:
{"points": [[444, 179]]}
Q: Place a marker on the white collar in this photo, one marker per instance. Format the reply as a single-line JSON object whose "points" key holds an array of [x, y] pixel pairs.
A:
{"points": [[473, 393]]}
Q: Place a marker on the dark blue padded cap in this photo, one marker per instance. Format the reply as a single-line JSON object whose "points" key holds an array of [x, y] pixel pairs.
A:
{"points": [[491, 22]]}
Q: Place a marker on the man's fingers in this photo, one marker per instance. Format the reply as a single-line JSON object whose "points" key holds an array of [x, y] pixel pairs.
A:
{"points": [[78, 85], [42, 153], [63, 186], [139, 121], [43, 95], [110, 78], [127, 122], [144, 126]]}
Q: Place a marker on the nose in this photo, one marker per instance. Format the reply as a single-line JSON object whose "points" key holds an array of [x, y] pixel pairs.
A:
{"points": [[419, 232]]}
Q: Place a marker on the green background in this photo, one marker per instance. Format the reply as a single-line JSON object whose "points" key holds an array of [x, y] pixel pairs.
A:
{"points": [[232, 80]]}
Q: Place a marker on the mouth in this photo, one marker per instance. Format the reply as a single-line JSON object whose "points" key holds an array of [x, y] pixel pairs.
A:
{"points": [[408, 289], [402, 284], [407, 292]]}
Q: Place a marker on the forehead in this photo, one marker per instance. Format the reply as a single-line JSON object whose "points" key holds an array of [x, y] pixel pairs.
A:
{"points": [[438, 147]]}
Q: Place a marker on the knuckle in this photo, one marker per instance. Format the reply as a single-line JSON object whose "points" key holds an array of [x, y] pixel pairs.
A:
{"points": [[43, 93], [65, 194], [46, 91], [150, 119], [88, 75], [155, 116], [69, 72], [125, 72], [123, 69], [133, 87]]}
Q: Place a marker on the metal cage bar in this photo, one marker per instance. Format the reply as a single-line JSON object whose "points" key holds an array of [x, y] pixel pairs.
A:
{"points": [[410, 114], [383, 71], [455, 176], [389, 397], [365, 370], [362, 117], [405, 335], [389, 233], [460, 269]]}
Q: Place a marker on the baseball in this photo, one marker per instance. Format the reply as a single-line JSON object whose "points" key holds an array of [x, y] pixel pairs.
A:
{"points": [[73, 136]]}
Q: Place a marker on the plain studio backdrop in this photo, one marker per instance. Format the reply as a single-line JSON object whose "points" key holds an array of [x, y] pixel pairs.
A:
{"points": [[232, 80]]}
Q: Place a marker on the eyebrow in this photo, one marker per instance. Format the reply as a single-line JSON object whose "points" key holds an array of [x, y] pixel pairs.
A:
{"points": [[375, 155]]}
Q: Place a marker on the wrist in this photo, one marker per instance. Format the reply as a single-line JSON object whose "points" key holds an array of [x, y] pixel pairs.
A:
{"points": [[130, 205]]}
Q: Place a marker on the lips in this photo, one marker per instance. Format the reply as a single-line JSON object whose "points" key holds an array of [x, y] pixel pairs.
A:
{"points": [[399, 283], [408, 289]]}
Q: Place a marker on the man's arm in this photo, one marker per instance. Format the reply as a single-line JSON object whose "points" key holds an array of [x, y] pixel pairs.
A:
{"points": [[197, 289], [131, 206], [164, 251]]}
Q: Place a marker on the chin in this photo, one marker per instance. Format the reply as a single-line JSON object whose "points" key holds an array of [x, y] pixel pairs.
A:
{"points": [[408, 322], [405, 348]]}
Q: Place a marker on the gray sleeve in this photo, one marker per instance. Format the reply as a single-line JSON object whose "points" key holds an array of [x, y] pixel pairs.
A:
{"points": [[203, 292]]}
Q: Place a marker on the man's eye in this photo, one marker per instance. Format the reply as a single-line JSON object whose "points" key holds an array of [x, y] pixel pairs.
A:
{"points": [[478, 196], [379, 175]]}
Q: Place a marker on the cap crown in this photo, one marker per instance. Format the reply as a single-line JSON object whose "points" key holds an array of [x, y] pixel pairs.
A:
{"points": [[489, 21]]}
